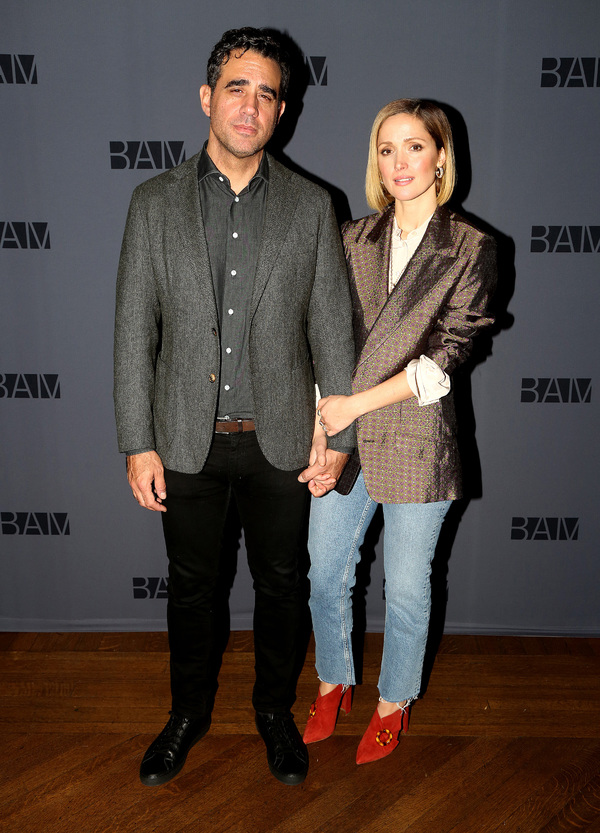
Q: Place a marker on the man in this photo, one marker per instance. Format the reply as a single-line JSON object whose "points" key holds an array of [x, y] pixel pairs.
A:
{"points": [[232, 300]]}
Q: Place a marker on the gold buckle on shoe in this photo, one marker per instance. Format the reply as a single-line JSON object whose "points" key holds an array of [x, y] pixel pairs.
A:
{"points": [[384, 741]]}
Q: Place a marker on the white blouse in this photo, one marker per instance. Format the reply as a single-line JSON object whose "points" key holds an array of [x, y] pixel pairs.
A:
{"points": [[425, 378]]}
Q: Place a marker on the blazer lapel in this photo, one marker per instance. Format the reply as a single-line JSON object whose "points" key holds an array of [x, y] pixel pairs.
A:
{"points": [[372, 254], [282, 198], [190, 228], [429, 261]]}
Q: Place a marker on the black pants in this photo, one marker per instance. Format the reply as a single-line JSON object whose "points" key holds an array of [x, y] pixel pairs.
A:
{"points": [[272, 507]]}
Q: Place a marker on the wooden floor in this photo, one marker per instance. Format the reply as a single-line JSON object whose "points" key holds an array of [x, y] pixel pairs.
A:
{"points": [[507, 738]]}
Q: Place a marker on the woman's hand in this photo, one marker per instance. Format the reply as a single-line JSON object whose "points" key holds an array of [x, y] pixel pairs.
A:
{"points": [[336, 413]]}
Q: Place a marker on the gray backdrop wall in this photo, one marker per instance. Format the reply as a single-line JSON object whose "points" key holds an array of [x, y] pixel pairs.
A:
{"points": [[97, 96]]}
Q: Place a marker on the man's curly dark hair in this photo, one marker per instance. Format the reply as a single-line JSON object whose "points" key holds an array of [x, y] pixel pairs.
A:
{"points": [[238, 41]]}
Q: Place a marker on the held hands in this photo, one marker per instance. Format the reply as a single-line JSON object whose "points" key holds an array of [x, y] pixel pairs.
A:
{"points": [[322, 478], [324, 464], [336, 413], [146, 477]]}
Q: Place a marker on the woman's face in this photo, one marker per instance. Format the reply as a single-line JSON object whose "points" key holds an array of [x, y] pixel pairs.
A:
{"points": [[407, 158]]}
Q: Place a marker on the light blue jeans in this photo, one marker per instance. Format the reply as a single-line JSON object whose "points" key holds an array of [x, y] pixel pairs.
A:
{"points": [[338, 524]]}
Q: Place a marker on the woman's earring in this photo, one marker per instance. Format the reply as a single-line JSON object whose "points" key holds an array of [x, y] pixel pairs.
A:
{"points": [[439, 172]]}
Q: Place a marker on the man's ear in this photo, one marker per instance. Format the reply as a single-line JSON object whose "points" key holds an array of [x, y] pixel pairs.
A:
{"points": [[205, 95], [281, 109]]}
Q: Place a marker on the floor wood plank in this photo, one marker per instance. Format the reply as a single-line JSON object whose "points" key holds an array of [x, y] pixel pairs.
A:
{"points": [[507, 738]]}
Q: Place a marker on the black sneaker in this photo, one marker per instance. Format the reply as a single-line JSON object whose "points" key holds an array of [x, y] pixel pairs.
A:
{"points": [[166, 755], [286, 751]]}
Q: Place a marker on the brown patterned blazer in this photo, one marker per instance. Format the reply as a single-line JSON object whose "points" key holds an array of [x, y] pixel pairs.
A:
{"points": [[409, 452]]}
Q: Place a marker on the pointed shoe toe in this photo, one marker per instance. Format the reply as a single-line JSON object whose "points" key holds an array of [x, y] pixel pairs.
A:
{"points": [[382, 736]]}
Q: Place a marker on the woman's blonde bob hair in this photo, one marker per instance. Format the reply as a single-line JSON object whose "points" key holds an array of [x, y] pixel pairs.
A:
{"points": [[437, 125]]}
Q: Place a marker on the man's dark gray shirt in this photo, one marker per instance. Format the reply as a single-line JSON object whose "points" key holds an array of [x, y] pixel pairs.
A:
{"points": [[233, 226]]}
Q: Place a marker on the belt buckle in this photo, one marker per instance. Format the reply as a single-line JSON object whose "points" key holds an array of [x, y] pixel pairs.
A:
{"points": [[239, 425]]}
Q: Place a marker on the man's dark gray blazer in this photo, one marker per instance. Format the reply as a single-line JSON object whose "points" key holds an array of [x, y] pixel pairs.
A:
{"points": [[167, 348]]}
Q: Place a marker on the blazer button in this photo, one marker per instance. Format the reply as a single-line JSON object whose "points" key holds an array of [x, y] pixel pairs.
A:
{"points": [[212, 377], [214, 332]]}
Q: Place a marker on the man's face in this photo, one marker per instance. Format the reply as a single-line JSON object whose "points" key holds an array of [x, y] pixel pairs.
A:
{"points": [[244, 107]]}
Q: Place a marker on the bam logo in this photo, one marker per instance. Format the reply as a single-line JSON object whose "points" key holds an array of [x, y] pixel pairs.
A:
{"points": [[149, 588], [570, 72], [564, 391], [545, 529], [24, 235], [29, 386], [317, 71], [18, 69], [34, 523], [146, 155], [565, 239]]}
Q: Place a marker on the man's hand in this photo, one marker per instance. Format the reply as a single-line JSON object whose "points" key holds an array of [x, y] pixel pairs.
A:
{"points": [[146, 477], [321, 478]]}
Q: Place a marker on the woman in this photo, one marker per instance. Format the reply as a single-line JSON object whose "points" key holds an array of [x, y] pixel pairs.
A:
{"points": [[421, 279]]}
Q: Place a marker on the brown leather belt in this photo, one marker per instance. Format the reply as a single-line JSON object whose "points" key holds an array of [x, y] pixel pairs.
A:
{"points": [[234, 426]]}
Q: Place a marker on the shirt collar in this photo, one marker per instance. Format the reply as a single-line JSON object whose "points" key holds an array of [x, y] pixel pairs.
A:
{"points": [[417, 233], [206, 168]]}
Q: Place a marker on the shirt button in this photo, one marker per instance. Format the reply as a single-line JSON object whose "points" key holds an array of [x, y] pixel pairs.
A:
{"points": [[228, 350], [234, 235], [220, 179], [226, 387], [212, 377], [237, 199], [233, 272], [230, 311]]}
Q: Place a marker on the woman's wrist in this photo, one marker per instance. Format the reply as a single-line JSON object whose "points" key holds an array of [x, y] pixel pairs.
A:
{"points": [[359, 404]]}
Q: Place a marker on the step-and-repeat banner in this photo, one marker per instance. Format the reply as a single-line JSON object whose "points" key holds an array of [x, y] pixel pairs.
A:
{"points": [[96, 97]]}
